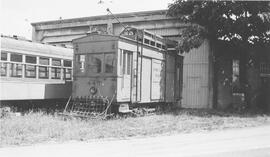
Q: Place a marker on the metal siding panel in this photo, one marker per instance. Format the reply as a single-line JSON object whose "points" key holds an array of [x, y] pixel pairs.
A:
{"points": [[9, 91], [33, 90], [170, 78], [157, 84], [196, 78]]}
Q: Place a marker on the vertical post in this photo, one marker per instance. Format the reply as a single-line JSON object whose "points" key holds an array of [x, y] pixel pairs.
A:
{"points": [[215, 75], [131, 75], [37, 68], [141, 64], [165, 77], [8, 65], [62, 70], [23, 66], [50, 68]]}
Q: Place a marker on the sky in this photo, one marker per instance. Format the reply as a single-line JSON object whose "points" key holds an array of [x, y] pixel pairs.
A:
{"points": [[17, 15]]}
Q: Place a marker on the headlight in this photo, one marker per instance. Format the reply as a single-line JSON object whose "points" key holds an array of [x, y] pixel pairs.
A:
{"points": [[93, 90]]}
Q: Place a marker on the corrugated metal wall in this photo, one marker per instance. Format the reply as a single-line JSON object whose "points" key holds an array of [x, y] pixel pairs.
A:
{"points": [[196, 78]]}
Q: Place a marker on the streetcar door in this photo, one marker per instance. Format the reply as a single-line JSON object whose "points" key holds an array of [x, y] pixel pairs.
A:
{"points": [[146, 80], [126, 71]]}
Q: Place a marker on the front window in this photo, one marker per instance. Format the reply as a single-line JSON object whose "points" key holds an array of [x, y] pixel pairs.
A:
{"points": [[80, 60], [109, 63], [95, 63]]}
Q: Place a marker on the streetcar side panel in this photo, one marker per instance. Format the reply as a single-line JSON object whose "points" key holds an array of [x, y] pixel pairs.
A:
{"points": [[34, 71], [145, 82]]}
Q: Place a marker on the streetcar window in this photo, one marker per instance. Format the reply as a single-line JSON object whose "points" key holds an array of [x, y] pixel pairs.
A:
{"points": [[30, 71], [127, 62], [67, 74], [43, 72], [16, 57], [163, 47], [3, 69], [124, 62], [152, 43], [67, 63], [146, 41], [121, 60], [16, 70], [95, 63], [3, 56], [56, 73], [44, 61], [31, 59], [80, 60], [109, 63], [158, 45], [56, 62]]}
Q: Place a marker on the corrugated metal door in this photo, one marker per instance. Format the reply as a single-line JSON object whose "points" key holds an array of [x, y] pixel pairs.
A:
{"points": [[196, 78], [178, 77], [158, 82]]}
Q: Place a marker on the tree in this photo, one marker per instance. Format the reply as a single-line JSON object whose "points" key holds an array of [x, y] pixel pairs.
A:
{"points": [[240, 26], [235, 22]]}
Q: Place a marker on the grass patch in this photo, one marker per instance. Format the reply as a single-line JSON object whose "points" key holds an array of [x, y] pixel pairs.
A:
{"points": [[35, 128]]}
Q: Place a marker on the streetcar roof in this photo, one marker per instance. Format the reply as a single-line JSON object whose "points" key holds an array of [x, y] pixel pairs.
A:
{"points": [[33, 48]]}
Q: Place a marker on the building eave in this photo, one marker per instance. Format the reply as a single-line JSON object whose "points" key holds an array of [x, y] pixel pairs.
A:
{"points": [[102, 17]]}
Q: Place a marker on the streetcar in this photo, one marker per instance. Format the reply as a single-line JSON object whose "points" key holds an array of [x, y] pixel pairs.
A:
{"points": [[34, 74], [134, 68]]}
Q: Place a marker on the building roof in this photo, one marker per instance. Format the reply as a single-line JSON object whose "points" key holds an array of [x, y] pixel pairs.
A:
{"points": [[104, 17]]}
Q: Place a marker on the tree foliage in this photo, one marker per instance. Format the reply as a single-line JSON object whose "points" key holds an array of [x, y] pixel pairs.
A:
{"points": [[238, 22]]}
